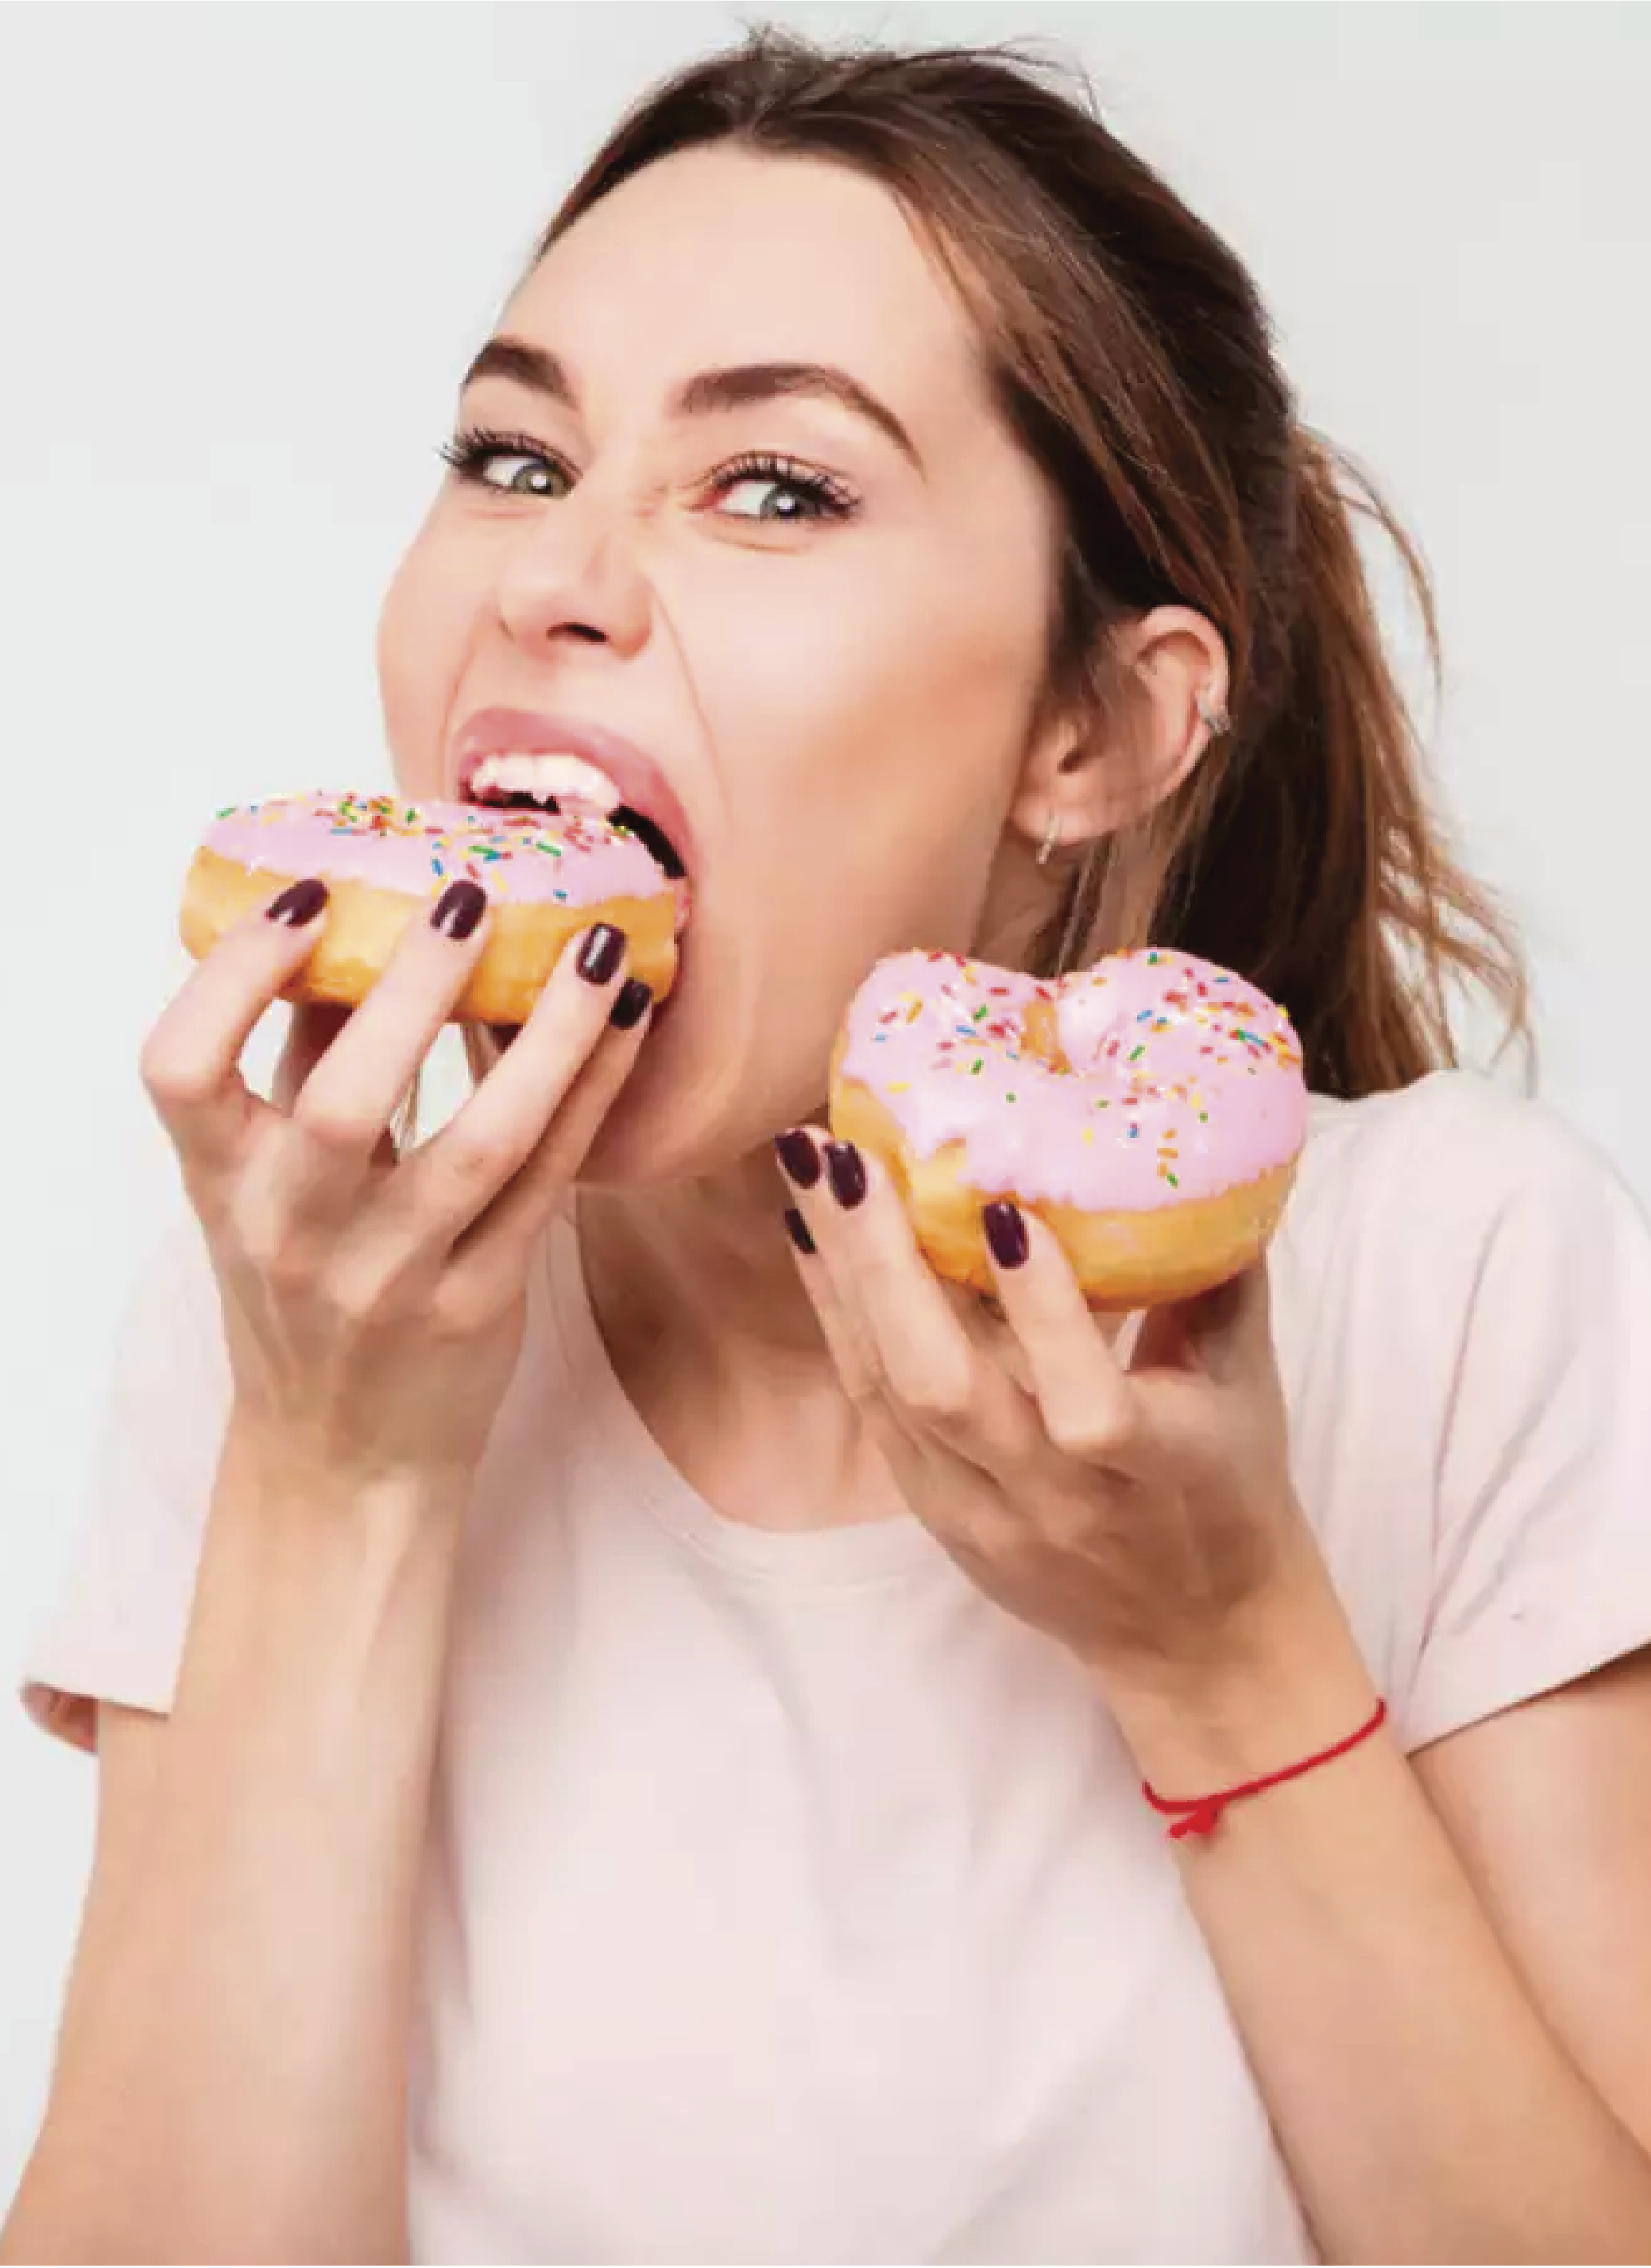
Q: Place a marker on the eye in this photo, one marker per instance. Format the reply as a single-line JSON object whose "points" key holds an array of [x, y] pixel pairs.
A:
{"points": [[772, 491], [781, 492], [529, 470]]}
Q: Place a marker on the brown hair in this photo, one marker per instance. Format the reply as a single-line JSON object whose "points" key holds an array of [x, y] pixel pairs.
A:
{"points": [[1130, 352]]}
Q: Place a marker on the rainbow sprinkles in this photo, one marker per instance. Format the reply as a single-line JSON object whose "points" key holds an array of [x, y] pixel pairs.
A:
{"points": [[1153, 1077], [390, 843]]}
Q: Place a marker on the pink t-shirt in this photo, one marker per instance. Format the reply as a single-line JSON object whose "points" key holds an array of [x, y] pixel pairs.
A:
{"points": [[788, 1902]]}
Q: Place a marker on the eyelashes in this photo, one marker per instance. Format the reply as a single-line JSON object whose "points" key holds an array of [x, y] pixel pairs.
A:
{"points": [[819, 495], [471, 451], [826, 497]]}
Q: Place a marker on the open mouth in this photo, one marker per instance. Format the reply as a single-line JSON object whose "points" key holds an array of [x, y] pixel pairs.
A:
{"points": [[554, 784], [559, 784]]}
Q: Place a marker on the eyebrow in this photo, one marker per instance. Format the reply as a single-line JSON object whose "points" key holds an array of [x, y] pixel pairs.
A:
{"points": [[708, 391]]}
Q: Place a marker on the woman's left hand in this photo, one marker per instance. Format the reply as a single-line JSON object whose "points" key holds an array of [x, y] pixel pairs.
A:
{"points": [[1142, 1514]]}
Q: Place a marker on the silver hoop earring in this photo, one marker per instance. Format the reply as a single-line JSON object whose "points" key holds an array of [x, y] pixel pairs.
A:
{"points": [[1051, 837], [1215, 715]]}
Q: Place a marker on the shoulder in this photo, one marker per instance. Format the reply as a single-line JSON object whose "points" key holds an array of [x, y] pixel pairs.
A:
{"points": [[1443, 1168], [1454, 1231]]}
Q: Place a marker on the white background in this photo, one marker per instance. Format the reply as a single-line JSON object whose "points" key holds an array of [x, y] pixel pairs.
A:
{"points": [[246, 253]]}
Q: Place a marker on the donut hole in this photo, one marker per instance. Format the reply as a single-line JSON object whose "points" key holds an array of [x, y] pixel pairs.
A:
{"points": [[1041, 1036]]}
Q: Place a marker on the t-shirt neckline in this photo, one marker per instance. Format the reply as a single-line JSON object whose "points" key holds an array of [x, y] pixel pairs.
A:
{"points": [[861, 1554]]}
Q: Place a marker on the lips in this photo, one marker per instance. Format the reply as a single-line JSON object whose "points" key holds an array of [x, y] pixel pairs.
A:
{"points": [[607, 774]]}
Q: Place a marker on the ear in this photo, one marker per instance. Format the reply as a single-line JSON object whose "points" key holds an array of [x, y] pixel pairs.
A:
{"points": [[1096, 773]]}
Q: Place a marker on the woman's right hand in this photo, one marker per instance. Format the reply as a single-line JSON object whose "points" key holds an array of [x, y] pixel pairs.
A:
{"points": [[374, 1305]]}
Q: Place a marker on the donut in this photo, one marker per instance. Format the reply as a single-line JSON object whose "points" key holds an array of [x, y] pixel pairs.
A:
{"points": [[1150, 1110], [386, 860]]}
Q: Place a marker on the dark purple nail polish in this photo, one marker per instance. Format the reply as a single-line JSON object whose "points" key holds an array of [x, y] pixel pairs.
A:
{"points": [[797, 1228], [1006, 1234], [846, 1171], [632, 1004], [601, 953], [458, 908], [799, 1157], [299, 904]]}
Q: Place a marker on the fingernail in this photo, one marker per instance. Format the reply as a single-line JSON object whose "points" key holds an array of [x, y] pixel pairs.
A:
{"points": [[799, 1157], [599, 955], [458, 908], [846, 1171], [298, 902], [632, 1004], [1006, 1234], [797, 1228]]}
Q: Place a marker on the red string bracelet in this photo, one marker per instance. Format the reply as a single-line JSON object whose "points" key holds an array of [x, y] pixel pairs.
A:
{"points": [[1198, 1814]]}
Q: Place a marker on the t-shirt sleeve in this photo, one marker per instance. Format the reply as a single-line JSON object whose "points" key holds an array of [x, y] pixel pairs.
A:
{"points": [[116, 1631], [1542, 1547]]}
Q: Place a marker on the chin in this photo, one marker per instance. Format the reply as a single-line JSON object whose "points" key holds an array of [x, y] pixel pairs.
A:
{"points": [[671, 1122], [696, 1105]]}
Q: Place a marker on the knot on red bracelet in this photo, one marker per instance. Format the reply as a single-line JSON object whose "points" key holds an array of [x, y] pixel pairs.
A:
{"points": [[1199, 1815], [1200, 1818]]}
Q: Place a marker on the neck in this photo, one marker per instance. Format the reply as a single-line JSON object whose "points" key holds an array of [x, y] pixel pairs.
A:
{"points": [[706, 1264], [695, 1294]]}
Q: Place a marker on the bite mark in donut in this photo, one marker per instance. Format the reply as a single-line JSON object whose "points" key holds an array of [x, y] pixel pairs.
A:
{"points": [[386, 860]]}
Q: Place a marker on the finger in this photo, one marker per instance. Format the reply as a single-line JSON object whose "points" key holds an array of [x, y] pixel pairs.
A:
{"points": [[487, 1261], [937, 1374], [1083, 1395], [847, 1341], [1224, 1332], [311, 1030], [343, 1105], [515, 1114], [191, 1061], [847, 1333], [934, 1480]]}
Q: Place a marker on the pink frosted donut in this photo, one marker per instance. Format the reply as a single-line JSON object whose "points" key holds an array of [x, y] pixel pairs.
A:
{"points": [[1150, 1110], [386, 860]]}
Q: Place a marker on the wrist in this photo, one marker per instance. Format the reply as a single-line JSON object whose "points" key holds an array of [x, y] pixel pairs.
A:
{"points": [[320, 1614], [1288, 1681], [273, 1467]]}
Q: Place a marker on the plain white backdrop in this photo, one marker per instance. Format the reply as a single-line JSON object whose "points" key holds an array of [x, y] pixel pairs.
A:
{"points": [[246, 251]]}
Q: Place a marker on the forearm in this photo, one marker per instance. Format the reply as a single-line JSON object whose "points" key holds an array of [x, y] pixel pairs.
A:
{"points": [[230, 2079], [1425, 2109]]}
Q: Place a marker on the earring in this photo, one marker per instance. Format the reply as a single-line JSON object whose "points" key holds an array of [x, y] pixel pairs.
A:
{"points": [[1052, 836], [1215, 715]]}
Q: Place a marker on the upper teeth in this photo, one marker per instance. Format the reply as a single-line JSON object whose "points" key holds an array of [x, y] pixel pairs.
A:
{"points": [[547, 776]]}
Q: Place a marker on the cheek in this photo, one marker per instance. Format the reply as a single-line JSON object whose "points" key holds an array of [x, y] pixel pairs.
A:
{"points": [[868, 721], [420, 645], [887, 678]]}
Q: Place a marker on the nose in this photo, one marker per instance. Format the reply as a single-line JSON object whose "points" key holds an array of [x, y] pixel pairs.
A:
{"points": [[574, 577]]}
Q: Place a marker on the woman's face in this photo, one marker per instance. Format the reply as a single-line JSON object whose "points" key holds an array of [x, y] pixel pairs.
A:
{"points": [[834, 661]]}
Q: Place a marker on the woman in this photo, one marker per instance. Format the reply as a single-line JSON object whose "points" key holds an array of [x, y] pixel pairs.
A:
{"points": [[622, 1738]]}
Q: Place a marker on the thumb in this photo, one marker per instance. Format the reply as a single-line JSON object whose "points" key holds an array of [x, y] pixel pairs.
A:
{"points": [[1225, 1331]]}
